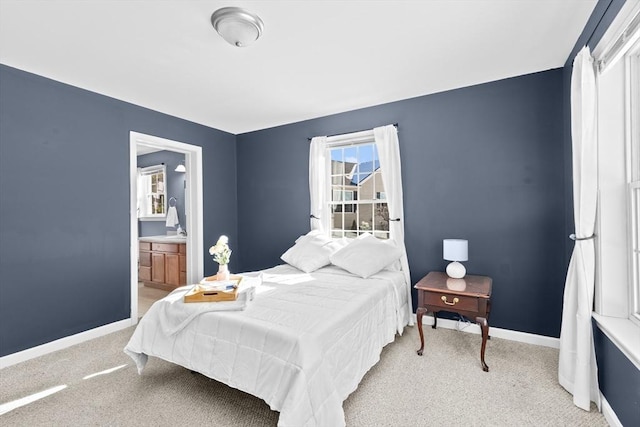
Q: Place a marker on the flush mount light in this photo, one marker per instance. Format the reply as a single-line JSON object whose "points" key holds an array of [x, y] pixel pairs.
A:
{"points": [[237, 26]]}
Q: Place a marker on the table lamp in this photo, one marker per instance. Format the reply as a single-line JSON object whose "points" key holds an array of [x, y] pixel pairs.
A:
{"points": [[455, 250]]}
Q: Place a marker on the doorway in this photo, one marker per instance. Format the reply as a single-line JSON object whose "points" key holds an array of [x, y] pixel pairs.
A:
{"points": [[193, 206]]}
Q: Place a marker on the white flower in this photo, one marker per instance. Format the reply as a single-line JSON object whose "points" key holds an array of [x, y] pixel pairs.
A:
{"points": [[220, 251]]}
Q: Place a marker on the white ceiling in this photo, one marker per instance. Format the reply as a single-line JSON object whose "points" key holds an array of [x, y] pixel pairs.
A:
{"points": [[315, 58]]}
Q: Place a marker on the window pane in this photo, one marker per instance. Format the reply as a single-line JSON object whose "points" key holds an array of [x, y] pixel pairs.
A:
{"points": [[350, 156], [337, 219], [350, 220], [366, 167], [382, 216], [337, 167], [378, 180], [365, 154], [366, 217], [381, 234]]}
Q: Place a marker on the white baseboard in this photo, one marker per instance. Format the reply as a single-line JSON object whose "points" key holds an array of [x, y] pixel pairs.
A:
{"points": [[609, 414], [41, 350], [507, 334]]}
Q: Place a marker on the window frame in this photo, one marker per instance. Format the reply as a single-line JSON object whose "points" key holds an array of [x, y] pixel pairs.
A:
{"points": [[358, 203], [617, 288], [147, 193]]}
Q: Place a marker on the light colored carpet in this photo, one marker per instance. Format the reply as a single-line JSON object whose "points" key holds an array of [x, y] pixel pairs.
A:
{"points": [[147, 296], [445, 387]]}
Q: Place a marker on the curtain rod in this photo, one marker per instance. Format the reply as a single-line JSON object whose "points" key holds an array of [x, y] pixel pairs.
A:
{"points": [[355, 131]]}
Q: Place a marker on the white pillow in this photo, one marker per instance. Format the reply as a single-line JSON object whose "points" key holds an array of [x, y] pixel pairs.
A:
{"points": [[310, 252], [365, 256]]}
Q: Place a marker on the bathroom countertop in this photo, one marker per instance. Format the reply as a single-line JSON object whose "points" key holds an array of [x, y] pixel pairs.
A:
{"points": [[163, 239]]}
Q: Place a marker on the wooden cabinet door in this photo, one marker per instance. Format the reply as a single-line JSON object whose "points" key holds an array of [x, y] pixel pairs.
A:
{"points": [[145, 259], [144, 274], [183, 269], [157, 267], [172, 269]]}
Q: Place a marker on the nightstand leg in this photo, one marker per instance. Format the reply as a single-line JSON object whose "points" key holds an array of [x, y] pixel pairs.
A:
{"points": [[419, 313], [485, 334]]}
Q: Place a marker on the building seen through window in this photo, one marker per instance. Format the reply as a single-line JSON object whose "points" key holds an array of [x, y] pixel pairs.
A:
{"points": [[358, 201]]}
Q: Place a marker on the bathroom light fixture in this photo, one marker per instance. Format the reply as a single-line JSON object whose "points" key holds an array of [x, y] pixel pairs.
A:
{"points": [[180, 168], [455, 250], [237, 26]]}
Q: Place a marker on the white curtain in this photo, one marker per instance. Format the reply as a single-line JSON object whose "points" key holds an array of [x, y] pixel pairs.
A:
{"points": [[388, 146], [318, 184], [577, 370]]}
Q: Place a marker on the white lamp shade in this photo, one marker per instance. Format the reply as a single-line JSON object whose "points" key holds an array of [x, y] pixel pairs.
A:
{"points": [[455, 249]]}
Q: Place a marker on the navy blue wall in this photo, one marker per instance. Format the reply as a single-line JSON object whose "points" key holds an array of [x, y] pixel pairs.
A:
{"points": [[64, 204], [175, 188], [483, 163], [619, 378]]}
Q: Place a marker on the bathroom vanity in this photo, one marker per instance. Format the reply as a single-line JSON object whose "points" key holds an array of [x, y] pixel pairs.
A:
{"points": [[163, 261]]}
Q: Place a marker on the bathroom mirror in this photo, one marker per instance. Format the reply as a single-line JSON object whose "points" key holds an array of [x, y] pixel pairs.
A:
{"points": [[152, 200]]}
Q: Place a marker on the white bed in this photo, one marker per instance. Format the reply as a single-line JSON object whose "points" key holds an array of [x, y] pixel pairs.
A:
{"points": [[302, 344]]}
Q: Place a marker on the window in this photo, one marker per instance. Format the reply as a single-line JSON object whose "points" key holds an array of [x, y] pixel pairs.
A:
{"points": [[151, 193], [358, 202], [617, 303]]}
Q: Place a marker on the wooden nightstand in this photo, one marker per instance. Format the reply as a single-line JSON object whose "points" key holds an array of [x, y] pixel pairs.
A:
{"points": [[469, 297]]}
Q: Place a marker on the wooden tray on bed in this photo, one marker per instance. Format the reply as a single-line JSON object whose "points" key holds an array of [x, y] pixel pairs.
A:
{"points": [[204, 293]]}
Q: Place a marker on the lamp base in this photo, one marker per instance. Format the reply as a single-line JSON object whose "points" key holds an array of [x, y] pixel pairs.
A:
{"points": [[456, 270]]}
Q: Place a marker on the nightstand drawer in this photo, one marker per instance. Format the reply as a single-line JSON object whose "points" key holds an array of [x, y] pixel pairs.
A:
{"points": [[452, 302]]}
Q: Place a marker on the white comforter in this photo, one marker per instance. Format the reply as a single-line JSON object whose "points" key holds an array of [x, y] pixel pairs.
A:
{"points": [[303, 344]]}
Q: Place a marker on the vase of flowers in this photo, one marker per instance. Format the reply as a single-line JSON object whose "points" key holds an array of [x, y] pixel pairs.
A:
{"points": [[223, 272], [221, 254]]}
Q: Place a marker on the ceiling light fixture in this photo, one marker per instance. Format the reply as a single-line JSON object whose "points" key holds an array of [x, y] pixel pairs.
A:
{"points": [[237, 26]]}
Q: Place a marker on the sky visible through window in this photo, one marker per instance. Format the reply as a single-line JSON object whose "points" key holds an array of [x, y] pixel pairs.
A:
{"points": [[356, 154]]}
